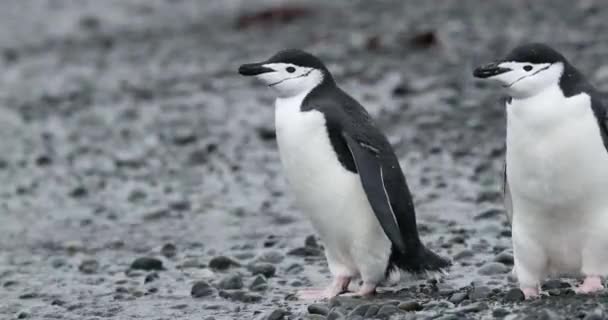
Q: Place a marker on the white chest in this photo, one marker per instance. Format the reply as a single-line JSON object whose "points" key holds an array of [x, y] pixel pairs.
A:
{"points": [[555, 154]]}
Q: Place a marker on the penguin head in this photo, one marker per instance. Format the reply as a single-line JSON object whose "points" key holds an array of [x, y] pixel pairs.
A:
{"points": [[289, 72], [526, 71]]}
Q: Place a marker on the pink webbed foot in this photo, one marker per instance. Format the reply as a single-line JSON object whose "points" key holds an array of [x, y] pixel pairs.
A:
{"points": [[530, 293], [339, 285], [591, 284], [366, 290]]}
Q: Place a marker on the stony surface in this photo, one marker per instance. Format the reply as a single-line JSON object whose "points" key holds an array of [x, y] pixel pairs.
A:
{"points": [[127, 133]]}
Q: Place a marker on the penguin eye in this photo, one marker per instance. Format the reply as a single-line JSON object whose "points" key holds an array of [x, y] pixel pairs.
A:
{"points": [[290, 69], [528, 67]]}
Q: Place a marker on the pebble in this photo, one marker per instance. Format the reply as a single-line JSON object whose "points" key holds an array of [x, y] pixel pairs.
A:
{"points": [[335, 315], [410, 306], [459, 297], [318, 309], [514, 295], [489, 214], [147, 263], [472, 308], [388, 310], [371, 311], [23, 315], [480, 292], [315, 317], [554, 284], [464, 254], [493, 268], [201, 289], [505, 257], [359, 310], [169, 250], [89, 266], [265, 269], [231, 282], [500, 313], [222, 263], [151, 277], [547, 314], [191, 263], [241, 296], [305, 252], [276, 314], [273, 257], [259, 283], [311, 242]]}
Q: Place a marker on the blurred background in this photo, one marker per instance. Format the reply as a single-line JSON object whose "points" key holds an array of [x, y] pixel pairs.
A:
{"points": [[126, 133]]}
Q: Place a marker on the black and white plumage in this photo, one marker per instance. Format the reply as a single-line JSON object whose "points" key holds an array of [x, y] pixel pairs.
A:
{"points": [[556, 167], [345, 175]]}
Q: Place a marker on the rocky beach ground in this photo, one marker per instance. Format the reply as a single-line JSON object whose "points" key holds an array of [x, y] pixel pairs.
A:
{"points": [[140, 177]]}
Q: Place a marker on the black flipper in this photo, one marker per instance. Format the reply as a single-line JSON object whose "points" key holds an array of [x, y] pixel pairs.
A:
{"points": [[391, 201], [372, 177]]}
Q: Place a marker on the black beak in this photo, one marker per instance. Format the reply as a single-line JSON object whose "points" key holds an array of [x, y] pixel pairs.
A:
{"points": [[253, 69], [489, 70]]}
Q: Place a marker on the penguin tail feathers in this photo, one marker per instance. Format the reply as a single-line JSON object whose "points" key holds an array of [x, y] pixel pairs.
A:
{"points": [[418, 261]]}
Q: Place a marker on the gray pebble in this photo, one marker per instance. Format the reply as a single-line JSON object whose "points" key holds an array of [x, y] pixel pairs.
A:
{"points": [[458, 297], [265, 269], [493, 268], [335, 315], [259, 283], [318, 309], [359, 310], [305, 252], [514, 295], [89, 266], [387, 310], [151, 277], [472, 308], [371, 311], [241, 296], [222, 263], [169, 250], [410, 306], [505, 258], [480, 292], [276, 314], [273, 257], [231, 282], [201, 289], [464, 254], [315, 317], [147, 263]]}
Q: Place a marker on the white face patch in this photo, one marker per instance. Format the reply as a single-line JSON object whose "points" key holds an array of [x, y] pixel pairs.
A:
{"points": [[528, 79], [289, 80]]}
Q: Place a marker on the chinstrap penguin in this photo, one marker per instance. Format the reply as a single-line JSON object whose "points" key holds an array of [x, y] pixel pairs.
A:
{"points": [[556, 173], [345, 175]]}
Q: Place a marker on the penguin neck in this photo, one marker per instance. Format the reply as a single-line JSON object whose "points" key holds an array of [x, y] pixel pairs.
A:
{"points": [[572, 81]]}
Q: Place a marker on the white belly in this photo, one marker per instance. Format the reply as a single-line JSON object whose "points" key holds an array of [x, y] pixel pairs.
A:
{"points": [[331, 196], [557, 168]]}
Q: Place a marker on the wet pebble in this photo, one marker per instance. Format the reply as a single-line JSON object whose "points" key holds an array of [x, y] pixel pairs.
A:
{"points": [[480, 292], [231, 282], [335, 315], [89, 266], [305, 252], [276, 314], [464, 255], [318, 309], [151, 277], [147, 263], [387, 310], [410, 306], [201, 289], [23, 315], [273, 257], [554, 284], [493, 268], [458, 297], [505, 257], [241, 296], [222, 263], [500, 313], [359, 310], [315, 317], [259, 283], [168, 250], [265, 269], [514, 295], [371, 311], [472, 308]]}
